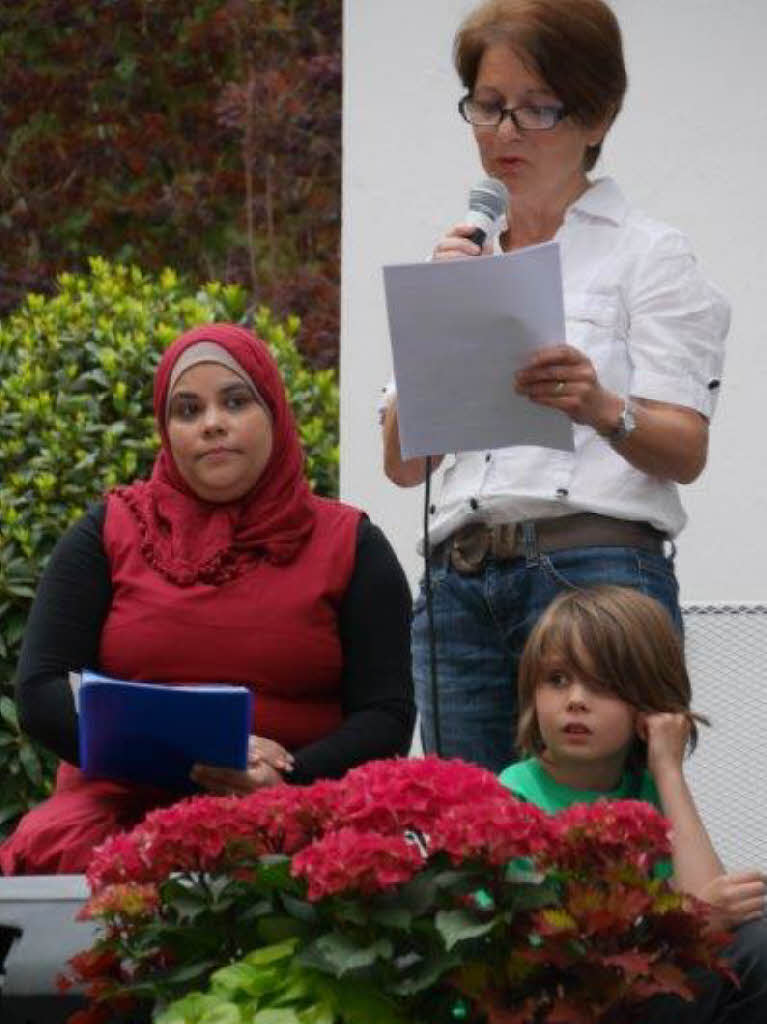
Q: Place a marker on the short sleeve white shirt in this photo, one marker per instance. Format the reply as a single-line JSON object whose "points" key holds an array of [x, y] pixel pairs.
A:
{"points": [[637, 304]]}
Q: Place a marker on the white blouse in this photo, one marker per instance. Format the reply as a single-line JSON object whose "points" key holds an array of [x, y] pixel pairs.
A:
{"points": [[638, 306]]}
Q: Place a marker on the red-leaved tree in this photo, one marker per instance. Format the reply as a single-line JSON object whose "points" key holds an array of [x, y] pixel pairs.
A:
{"points": [[202, 135]]}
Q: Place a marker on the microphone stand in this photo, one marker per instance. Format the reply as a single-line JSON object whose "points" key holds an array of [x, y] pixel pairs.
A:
{"points": [[430, 610]]}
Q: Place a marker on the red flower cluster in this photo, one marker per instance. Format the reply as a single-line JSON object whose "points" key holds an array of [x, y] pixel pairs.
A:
{"points": [[395, 795], [600, 933], [351, 861], [342, 827], [209, 834], [592, 837], [496, 829], [453, 806], [350, 834]]}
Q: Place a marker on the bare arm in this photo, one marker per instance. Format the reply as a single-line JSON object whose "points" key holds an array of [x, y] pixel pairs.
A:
{"points": [[735, 898], [404, 472], [695, 860], [670, 441]]}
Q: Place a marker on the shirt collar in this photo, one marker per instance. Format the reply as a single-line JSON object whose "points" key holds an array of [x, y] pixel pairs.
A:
{"points": [[604, 200]]}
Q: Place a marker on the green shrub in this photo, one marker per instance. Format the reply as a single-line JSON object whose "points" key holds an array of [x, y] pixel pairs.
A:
{"points": [[76, 418]]}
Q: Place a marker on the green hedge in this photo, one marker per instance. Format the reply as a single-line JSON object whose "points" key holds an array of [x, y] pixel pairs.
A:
{"points": [[76, 418]]}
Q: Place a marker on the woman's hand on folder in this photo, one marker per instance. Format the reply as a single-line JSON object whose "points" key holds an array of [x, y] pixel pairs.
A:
{"points": [[264, 751], [268, 761]]}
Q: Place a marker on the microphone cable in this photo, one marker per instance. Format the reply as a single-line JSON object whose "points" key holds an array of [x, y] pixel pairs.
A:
{"points": [[430, 610], [488, 201]]}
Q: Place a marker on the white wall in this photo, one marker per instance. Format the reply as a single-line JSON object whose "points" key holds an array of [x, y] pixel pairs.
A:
{"points": [[690, 147]]}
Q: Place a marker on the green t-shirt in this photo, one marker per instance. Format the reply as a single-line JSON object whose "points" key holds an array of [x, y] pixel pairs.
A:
{"points": [[530, 781]]}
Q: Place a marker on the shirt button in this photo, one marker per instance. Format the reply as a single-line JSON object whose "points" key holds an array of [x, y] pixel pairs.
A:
{"points": [[562, 492], [474, 504], [488, 457], [432, 509]]}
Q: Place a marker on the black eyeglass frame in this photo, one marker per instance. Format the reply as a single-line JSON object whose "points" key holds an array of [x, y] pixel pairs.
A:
{"points": [[511, 112]]}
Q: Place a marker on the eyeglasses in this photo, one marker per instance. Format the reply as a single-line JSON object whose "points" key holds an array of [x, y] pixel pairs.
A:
{"points": [[528, 117]]}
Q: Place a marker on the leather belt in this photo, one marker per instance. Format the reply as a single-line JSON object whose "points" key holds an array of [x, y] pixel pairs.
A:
{"points": [[467, 549]]}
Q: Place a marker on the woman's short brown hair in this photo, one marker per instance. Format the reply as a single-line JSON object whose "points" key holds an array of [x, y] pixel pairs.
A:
{"points": [[575, 46], [622, 640]]}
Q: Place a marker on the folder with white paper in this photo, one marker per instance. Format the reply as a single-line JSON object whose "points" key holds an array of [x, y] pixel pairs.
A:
{"points": [[459, 331]]}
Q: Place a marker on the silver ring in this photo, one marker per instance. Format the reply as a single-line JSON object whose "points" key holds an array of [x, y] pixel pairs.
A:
{"points": [[559, 387]]}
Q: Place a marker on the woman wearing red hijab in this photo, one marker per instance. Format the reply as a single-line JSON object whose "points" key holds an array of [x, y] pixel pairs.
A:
{"points": [[222, 567]]}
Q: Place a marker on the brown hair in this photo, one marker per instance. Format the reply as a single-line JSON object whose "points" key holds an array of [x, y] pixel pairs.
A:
{"points": [[575, 45], [622, 640]]}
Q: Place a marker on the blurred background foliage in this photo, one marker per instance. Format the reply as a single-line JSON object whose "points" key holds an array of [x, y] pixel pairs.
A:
{"points": [[76, 419], [199, 134]]}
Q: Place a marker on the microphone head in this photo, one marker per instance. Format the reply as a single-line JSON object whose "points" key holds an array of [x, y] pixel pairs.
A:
{"points": [[489, 198]]}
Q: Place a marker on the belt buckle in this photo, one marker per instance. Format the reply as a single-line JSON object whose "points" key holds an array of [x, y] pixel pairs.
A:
{"points": [[505, 541], [469, 549]]}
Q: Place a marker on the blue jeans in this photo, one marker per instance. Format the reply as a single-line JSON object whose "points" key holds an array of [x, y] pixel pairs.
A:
{"points": [[481, 623]]}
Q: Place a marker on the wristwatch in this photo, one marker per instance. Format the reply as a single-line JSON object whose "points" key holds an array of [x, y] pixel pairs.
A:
{"points": [[626, 423]]}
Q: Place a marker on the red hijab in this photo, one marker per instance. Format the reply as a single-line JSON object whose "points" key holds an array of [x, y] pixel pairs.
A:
{"points": [[189, 540]]}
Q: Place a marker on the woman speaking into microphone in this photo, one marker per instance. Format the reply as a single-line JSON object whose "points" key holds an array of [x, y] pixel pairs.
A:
{"points": [[638, 374]]}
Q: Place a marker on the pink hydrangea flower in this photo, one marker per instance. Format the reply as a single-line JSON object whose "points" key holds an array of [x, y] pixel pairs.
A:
{"points": [[496, 829], [351, 861]]}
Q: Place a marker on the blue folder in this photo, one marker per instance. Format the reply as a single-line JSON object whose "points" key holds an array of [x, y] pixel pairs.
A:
{"points": [[154, 733]]}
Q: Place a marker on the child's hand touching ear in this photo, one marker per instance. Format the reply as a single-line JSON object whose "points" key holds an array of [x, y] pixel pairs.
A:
{"points": [[666, 734]]}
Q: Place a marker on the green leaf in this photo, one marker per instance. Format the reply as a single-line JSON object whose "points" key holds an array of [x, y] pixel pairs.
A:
{"points": [[189, 972], [243, 977], [272, 954], [338, 954], [360, 1001], [224, 1014], [543, 893], [351, 912], [393, 917], [277, 927], [426, 973], [31, 763], [301, 909], [8, 713], [319, 1013], [419, 894], [456, 925], [196, 1008], [276, 1015], [449, 879]]}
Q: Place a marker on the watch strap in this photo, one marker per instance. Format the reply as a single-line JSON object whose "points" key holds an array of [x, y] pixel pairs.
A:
{"points": [[626, 423]]}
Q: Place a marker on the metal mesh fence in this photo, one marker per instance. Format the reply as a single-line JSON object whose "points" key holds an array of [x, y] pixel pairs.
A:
{"points": [[726, 647]]}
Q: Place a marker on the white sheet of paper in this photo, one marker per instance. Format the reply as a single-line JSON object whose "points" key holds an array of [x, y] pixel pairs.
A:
{"points": [[75, 678], [459, 330]]}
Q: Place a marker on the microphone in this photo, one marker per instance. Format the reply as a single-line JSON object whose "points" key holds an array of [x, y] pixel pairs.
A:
{"points": [[488, 202]]}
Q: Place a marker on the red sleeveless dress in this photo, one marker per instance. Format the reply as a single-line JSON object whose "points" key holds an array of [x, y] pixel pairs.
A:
{"points": [[273, 628]]}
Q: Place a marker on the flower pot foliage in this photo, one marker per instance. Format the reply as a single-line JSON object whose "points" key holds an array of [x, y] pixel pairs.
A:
{"points": [[410, 890], [76, 419]]}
